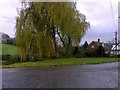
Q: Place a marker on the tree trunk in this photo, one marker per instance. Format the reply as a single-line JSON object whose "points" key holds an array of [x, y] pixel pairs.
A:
{"points": [[69, 47], [54, 38]]}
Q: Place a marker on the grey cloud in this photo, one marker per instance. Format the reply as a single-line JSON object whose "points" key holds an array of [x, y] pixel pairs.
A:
{"points": [[97, 12], [99, 15]]}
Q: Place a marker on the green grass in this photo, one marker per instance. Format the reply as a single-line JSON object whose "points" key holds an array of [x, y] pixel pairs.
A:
{"points": [[8, 49], [61, 62], [12, 50]]}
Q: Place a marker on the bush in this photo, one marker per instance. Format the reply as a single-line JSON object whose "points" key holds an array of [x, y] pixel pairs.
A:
{"points": [[79, 52], [9, 59], [15, 58], [61, 52], [11, 41], [118, 55], [6, 57]]}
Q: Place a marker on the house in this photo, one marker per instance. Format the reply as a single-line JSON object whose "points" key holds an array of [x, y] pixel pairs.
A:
{"points": [[95, 48], [94, 45], [115, 50], [3, 38], [107, 47]]}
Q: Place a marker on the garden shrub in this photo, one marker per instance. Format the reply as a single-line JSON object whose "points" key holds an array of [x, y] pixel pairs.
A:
{"points": [[79, 52], [15, 58], [6, 57], [9, 59]]}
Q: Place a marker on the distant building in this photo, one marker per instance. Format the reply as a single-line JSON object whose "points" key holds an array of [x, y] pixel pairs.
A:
{"points": [[94, 45], [3, 38], [107, 47], [95, 48], [115, 51]]}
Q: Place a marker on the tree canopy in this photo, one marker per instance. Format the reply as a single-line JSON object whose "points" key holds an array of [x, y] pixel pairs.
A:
{"points": [[39, 25]]}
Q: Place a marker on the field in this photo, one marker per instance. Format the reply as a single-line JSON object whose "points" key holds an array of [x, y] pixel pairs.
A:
{"points": [[8, 49]]}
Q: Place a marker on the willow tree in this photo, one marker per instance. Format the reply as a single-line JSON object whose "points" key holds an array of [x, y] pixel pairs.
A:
{"points": [[39, 23], [33, 33], [71, 25]]}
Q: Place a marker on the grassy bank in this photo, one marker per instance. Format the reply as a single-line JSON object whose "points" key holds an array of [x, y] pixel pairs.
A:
{"points": [[12, 50], [61, 62]]}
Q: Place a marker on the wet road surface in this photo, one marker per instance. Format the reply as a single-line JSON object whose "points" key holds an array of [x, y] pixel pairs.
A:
{"points": [[82, 76]]}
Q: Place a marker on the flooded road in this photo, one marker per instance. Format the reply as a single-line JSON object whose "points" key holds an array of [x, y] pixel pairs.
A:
{"points": [[82, 76]]}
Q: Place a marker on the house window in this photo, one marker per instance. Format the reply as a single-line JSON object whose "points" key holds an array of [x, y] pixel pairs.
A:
{"points": [[93, 46]]}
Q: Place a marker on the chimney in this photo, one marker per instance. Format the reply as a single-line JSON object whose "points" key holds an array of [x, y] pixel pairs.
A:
{"points": [[98, 40]]}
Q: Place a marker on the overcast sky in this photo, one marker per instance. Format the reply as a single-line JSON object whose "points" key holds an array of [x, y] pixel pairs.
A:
{"points": [[98, 13]]}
